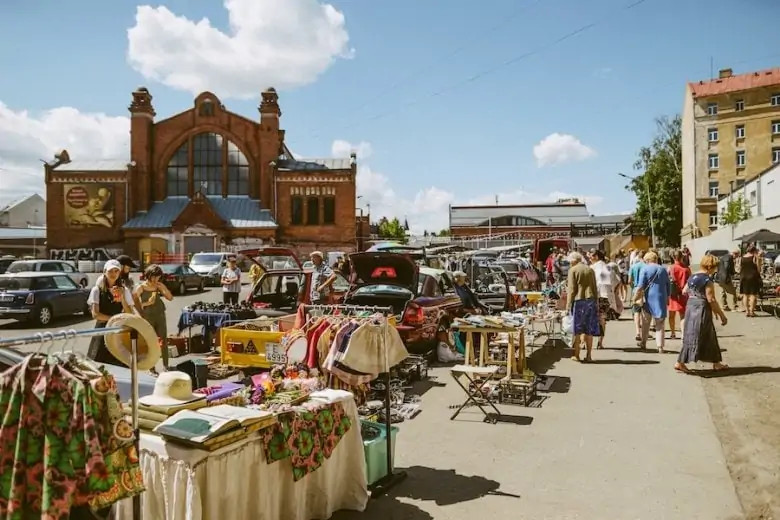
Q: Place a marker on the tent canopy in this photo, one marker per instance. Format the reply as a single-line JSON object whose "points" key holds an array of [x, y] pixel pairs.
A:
{"points": [[762, 235]]}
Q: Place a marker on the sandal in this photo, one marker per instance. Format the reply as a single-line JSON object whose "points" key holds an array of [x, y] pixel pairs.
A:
{"points": [[588, 360], [682, 369], [575, 358], [720, 368]]}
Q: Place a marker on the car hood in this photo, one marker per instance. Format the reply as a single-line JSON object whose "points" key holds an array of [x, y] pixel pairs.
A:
{"points": [[204, 268], [271, 255], [386, 269]]}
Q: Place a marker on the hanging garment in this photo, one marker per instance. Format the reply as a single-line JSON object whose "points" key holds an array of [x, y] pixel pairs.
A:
{"points": [[373, 348]]}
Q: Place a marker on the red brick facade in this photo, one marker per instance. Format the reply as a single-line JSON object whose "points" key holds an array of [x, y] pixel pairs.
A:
{"points": [[323, 189]]}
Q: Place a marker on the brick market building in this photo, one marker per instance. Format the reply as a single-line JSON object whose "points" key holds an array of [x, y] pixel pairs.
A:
{"points": [[204, 179]]}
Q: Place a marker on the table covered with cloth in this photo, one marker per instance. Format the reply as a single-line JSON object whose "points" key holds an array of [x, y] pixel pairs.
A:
{"points": [[237, 483], [212, 320]]}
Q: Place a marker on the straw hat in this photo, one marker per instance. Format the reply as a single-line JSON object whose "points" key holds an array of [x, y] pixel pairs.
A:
{"points": [[171, 389], [119, 345]]}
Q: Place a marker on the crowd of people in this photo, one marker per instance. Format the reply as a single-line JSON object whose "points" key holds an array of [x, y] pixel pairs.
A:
{"points": [[660, 289]]}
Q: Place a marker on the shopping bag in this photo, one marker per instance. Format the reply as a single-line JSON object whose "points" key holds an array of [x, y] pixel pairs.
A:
{"points": [[567, 325]]}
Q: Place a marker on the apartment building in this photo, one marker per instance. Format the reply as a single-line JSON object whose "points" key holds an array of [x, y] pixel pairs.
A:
{"points": [[730, 134]]}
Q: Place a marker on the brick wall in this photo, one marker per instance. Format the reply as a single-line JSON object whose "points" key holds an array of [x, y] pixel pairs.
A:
{"points": [[60, 235]]}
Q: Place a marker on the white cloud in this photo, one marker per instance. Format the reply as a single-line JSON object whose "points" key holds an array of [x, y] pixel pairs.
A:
{"points": [[428, 209], [27, 138], [279, 43], [560, 149], [343, 149]]}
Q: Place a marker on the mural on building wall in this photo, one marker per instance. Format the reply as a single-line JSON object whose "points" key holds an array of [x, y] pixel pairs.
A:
{"points": [[89, 205]]}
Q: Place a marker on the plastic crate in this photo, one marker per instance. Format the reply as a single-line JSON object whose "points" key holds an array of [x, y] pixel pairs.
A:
{"points": [[375, 452], [247, 348]]}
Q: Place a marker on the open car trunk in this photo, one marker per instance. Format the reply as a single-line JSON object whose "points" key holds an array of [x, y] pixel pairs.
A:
{"points": [[394, 298]]}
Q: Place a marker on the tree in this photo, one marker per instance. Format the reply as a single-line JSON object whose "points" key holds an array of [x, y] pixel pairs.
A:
{"points": [[660, 165], [391, 230], [444, 233], [737, 209]]}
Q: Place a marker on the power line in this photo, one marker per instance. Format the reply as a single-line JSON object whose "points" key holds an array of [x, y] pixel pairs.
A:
{"points": [[451, 54], [501, 66]]}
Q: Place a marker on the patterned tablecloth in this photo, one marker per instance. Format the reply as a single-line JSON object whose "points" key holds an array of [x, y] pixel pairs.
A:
{"points": [[238, 483]]}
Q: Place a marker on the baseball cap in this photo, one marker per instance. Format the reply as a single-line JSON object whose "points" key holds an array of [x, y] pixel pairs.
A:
{"points": [[125, 261], [112, 264]]}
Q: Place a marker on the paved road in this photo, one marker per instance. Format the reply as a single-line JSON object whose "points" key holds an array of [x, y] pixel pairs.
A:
{"points": [[10, 328]]}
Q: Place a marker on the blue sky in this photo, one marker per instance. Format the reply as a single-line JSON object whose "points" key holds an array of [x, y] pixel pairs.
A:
{"points": [[421, 88]]}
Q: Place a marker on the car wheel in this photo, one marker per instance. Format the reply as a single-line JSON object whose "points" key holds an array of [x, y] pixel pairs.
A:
{"points": [[182, 288], [83, 283], [43, 316]]}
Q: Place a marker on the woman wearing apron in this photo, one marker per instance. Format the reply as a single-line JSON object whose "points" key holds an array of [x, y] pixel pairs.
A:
{"points": [[150, 294], [108, 298]]}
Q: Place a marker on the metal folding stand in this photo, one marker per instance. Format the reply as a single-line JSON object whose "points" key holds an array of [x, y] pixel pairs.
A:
{"points": [[477, 377], [73, 334], [392, 478]]}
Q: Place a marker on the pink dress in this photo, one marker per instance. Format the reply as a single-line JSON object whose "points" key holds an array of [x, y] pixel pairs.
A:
{"points": [[679, 274]]}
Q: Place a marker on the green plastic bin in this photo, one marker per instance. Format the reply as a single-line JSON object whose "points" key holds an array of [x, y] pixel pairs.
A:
{"points": [[375, 452]]}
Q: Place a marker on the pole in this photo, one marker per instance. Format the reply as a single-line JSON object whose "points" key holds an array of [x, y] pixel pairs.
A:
{"points": [[650, 208]]}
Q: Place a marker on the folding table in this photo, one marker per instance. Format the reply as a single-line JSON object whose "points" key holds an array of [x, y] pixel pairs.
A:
{"points": [[477, 377]]}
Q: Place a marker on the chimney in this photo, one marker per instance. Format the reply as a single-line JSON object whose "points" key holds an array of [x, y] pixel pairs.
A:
{"points": [[725, 73]]}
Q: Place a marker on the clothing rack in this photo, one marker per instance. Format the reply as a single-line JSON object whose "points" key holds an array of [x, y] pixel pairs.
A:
{"points": [[392, 478], [64, 335]]}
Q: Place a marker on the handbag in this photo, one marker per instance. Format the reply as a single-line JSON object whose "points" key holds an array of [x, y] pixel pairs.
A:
{"points": [[639, 296]]}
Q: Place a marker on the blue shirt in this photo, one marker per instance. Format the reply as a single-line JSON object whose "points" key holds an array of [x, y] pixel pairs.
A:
{"points": [[654, 279], [633, 273]]}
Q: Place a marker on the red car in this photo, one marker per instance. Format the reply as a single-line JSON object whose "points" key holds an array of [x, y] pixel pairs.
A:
{"points": [[424, 298]]}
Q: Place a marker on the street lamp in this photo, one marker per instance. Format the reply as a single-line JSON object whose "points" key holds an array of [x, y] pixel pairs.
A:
{"points": [[649, 204]]}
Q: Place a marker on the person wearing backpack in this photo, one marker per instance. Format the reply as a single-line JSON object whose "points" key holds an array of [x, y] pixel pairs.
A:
{"points": [[678, 278], [725, 280]]}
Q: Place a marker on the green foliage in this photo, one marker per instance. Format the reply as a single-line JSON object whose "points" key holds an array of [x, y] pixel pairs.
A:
{"points": [[660, 165], [443, 233], [391, 230], [737, 209]]}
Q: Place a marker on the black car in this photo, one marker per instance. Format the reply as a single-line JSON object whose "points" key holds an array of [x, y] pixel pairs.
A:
{"points": [[5, 262], [38, 298], [180, 277]]}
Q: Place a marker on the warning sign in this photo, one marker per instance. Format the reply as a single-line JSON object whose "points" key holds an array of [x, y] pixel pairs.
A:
{"points": [[250, 348]]}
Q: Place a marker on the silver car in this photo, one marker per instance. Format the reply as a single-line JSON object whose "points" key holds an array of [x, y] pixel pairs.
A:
{"points": [[49, 266]]}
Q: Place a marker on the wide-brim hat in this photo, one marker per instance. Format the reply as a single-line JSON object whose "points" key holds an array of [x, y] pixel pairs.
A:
{"points": [[171, 388], [120, 346]]}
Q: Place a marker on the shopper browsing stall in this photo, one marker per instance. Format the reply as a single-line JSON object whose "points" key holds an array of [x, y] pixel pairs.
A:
{"points": [[150, 294], [321, 279], [231, 281], [109, 297]]}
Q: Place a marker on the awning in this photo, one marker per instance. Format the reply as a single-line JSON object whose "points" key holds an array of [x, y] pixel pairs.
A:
{"points": [[589, 241]]}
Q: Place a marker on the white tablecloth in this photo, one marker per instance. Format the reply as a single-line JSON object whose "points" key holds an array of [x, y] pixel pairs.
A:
{"points": [[236, 482]]}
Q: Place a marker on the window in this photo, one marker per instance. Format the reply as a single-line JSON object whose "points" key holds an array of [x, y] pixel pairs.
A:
{"points": [[739, 131], [712, 135], [63, 282], [775, 100], [313, 211], [741, 159], [67, 268], [178, 177], [775, 127], [739, 106], [50, 266], [329, 210], [713, 219], [714, 188], [714, 161], [238, 171], [753, 198], [712, 109], [207, 163], [740, 183], [296, 211], [775, 155]]}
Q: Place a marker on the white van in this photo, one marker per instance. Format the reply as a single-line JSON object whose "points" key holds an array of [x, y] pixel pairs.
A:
{"points": [[210, 266]]}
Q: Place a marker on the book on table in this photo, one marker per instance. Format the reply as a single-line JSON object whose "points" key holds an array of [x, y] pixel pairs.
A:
{"points": [[212, 424], [171, 410]]}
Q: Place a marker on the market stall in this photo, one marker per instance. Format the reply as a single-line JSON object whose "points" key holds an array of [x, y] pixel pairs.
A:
{"points": [[211, 317]]}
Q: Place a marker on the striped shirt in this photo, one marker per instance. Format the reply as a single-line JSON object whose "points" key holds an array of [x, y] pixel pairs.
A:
{"points": [[235, 276]]}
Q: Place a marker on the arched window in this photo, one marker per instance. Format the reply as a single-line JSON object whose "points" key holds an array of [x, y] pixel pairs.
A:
{"points": [[512, 221], [217, 163]]}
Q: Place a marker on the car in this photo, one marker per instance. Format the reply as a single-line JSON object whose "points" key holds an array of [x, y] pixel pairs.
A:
{"points": [[422, 298], [180, 277], [286, 283], [38, 298], [5, 261], [210, 266], [49, 266]]}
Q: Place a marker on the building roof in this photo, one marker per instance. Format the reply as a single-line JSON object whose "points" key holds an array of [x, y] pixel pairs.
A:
{"points": [[736, 83], [94, 165], [8, 233], [617, 218], [11, 205], [240, 212], [298, 165]]}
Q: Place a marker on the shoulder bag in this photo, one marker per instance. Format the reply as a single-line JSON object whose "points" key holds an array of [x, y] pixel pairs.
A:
{"points": [[639, 297]]}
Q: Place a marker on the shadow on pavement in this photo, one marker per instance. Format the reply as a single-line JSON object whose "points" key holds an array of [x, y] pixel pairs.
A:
{"points": [[419, 388], [446, 487], [554, 385], [736, 371], [623, 362], [386, 508], [544, 359]]}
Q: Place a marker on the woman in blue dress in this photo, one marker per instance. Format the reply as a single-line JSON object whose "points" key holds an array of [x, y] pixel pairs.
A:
{"points": [[700, 341], [653, 294]]}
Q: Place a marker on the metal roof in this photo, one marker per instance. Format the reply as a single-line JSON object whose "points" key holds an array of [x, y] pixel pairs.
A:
{"points": [[94, 165], [239, 212], [618, 218], [736, 83], [297, 165], [11, 205], [22, 233]]}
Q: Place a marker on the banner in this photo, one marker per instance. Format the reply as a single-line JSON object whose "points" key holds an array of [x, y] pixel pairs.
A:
{"points": [[89, 205]]}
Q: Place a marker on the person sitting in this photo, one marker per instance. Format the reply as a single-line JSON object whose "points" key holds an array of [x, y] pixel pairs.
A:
{"points": [[471, 303]]}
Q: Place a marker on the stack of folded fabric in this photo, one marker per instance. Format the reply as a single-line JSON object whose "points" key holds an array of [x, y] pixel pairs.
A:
{"points": [[172, 393]]}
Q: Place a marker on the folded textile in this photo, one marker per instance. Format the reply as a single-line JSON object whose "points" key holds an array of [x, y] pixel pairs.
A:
{"points": [[220, 391]]}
